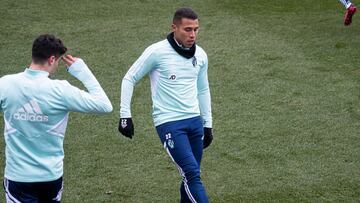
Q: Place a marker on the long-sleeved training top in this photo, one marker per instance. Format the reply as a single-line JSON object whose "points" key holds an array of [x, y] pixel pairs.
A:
{"points": [[36, 110], [179, 85]]}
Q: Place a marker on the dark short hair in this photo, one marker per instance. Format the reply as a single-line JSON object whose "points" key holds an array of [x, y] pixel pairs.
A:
{"points": [[184, 13], [47, 45]]}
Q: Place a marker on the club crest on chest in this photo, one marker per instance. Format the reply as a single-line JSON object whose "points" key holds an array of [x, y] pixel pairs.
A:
{"points": [[194, 61]]}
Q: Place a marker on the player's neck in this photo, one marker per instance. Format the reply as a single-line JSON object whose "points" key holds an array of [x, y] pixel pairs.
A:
{"points": [[42, 67], [187, 53], [180, 45]]}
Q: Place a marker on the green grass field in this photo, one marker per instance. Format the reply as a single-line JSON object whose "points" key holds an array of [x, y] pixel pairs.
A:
{"points": [[285, 84]]}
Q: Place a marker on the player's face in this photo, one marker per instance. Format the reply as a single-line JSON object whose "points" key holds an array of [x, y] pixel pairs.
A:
{"points": [[185, 32]]}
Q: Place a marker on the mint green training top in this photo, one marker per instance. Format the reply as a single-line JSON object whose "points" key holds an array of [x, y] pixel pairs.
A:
{"points": [[179, 86], [36, 110]]}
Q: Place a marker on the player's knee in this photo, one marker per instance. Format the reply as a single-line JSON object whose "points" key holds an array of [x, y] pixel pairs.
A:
{"points": [[192, 176]]}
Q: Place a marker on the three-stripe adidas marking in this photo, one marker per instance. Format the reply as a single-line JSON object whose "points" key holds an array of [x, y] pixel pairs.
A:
{"points": [[30, 112]]}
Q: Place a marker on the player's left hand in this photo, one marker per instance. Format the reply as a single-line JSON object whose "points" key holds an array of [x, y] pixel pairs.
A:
{"points": [[208, 137]]}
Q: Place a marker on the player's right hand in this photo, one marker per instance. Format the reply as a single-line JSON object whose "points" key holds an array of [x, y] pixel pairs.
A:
{"points": [[126, 127]]}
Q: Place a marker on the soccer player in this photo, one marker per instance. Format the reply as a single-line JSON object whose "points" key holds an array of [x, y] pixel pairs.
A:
{"points": [[177, 67], [350, 11], [36, 110]]}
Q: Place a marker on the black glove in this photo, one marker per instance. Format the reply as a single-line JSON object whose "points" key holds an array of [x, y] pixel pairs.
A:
{"points": [[208, 137], [126, 127]]}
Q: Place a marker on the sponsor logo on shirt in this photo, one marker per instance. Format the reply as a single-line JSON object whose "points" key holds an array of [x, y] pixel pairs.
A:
{"points": [[30, 112], [172, 77]]}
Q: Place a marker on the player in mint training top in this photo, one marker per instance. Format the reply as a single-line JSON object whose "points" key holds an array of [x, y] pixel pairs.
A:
{"points": [[36, 110], [181, 99], [350, 11]]}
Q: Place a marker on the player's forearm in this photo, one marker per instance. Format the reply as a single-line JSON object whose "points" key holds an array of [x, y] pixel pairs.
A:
{"points": [[205, 108], [98, 96], [127, 88], [81, 71]]}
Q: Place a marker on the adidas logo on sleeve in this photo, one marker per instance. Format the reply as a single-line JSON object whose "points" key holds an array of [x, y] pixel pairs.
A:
{"points": [[30, 112]]}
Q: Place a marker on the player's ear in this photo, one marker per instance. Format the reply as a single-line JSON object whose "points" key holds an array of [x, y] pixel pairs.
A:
{"points": [[51, 60], [173, 27]]}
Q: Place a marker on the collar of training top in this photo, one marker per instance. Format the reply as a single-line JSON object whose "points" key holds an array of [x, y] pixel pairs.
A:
{"points": [[187, 53], [36, 73]]}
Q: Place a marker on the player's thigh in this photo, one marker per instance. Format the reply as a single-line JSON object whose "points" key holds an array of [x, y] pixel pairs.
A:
{"points": [[18, 192], [174, 137], [196, 137], [51, 191]]}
